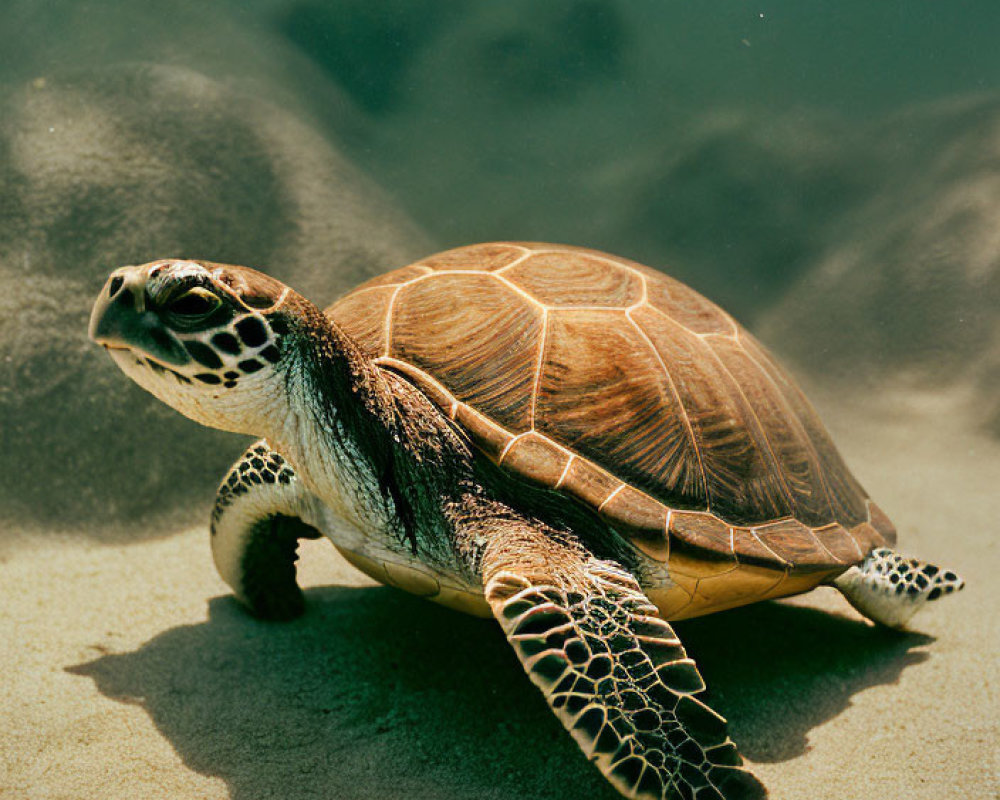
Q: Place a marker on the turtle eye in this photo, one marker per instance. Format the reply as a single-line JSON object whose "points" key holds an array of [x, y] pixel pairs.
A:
{"points": [[196, 302]]}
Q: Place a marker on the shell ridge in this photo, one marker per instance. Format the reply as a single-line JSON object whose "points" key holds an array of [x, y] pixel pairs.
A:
{"points": [[610, 497], [390, 307], [525, 255], [791, 415], [514, 287], [539, 366], [680, 403], [506, 448], [812, 532], [777, 558], [411, 373], [644, 300], [565, 472], [496, 325], [755, 421], [854, 541], [733, 325]]}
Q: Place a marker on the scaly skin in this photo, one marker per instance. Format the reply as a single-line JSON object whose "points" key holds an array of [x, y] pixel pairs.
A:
{"points": [[890, 589]]}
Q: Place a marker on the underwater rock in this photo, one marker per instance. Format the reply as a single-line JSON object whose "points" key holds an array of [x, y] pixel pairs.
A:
{"points": [[122, 165]]}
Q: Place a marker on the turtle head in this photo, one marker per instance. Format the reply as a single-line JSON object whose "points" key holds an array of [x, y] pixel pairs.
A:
{"points": [[210, 340]]}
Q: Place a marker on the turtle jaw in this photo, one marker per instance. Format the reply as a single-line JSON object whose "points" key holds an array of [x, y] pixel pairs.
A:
{"points": [[120, 320], [195, 336]]}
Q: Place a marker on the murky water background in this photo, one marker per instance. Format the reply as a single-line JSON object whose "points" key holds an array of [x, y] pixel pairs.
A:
{"points": [[827, 174], [830, 173]]}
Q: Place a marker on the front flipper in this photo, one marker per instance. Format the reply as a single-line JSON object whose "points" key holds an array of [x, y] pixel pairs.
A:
{"points": [[616, 675], [260, 513]]}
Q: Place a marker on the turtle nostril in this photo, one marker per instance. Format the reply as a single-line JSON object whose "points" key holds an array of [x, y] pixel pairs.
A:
{"points": [[125, 298], [115, 285]]}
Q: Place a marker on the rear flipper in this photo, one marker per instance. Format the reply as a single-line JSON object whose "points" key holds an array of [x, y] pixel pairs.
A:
{"points": [[889, 589]]}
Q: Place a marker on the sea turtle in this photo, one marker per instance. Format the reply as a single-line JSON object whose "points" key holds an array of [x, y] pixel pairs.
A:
{"points": [[569, 442]]}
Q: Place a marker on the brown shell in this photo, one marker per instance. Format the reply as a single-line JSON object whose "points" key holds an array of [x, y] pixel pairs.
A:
{"points": [[627, 390]]}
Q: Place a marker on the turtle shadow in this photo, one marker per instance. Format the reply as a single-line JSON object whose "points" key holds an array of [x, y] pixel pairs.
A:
{"points": [[777, 670], [375, 694]]}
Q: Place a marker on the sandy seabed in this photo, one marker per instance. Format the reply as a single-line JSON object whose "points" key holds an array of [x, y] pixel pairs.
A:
{"points": [[129, 671], [828, 174]]}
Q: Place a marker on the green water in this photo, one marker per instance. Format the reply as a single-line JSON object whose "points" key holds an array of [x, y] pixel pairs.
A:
{"points": [[827, 172]]}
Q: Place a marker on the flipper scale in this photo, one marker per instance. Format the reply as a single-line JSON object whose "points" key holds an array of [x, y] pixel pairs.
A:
{"points": [[619, 680]]}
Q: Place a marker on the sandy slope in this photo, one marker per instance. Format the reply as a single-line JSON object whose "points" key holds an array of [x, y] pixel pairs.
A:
{"points": [[130, 673]]}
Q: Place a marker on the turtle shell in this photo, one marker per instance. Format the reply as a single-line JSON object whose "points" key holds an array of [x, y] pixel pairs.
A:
{"points": [[615, 384]]}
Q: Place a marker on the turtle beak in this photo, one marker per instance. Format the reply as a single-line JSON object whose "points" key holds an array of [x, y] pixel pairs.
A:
{"points": [[121, 320]]}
